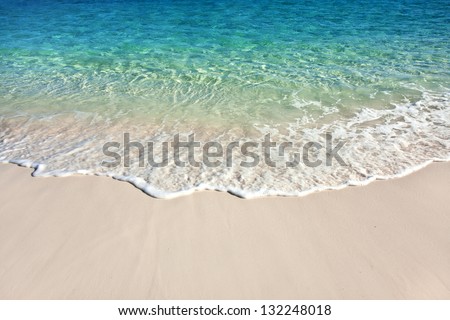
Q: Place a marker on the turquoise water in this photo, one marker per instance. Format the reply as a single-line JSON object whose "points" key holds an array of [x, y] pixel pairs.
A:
{"points": [[76, 74]]}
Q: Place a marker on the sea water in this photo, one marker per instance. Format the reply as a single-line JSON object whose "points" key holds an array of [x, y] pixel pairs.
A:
{"points": [[76, 75]]}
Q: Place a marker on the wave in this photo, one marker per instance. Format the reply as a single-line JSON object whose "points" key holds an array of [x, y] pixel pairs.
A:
{"points": [[377, 144]]}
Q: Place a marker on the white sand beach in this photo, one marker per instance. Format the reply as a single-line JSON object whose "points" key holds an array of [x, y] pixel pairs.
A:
{"points": [[90, 237]]}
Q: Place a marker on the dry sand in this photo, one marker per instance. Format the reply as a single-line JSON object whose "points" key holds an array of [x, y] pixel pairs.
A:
{"points": [[96, 238]]}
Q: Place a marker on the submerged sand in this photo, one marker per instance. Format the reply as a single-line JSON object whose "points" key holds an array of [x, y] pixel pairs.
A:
{"points": [[96, 238]]}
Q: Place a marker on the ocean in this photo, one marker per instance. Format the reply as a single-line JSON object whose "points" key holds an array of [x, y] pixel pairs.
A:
{"points": [[253, 98]]}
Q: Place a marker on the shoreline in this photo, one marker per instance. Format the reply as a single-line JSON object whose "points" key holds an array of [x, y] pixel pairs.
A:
{"points": [[93, 238], [152, 192]]}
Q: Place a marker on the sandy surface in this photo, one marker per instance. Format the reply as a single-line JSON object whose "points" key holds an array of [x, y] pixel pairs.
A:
{"points": [[93, 237]]}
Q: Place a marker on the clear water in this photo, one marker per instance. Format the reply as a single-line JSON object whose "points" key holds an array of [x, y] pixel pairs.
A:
{"points": [[77, 74]]}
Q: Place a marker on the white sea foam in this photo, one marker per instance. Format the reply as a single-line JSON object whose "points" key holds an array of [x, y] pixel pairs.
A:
{"points": [[379, 144]]}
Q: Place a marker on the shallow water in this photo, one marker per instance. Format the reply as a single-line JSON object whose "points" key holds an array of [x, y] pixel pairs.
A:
{"points": [[76, 75]]}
